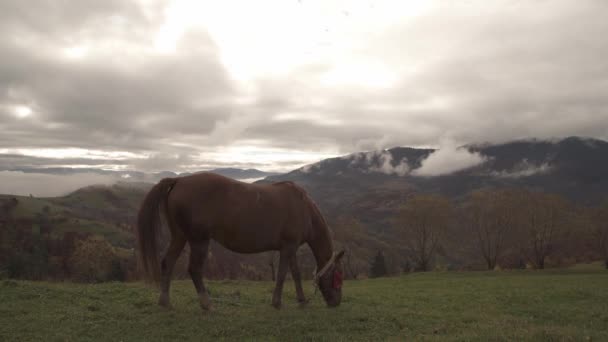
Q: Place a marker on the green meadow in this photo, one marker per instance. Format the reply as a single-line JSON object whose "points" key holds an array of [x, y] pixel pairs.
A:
{"points": [[549, 305]]}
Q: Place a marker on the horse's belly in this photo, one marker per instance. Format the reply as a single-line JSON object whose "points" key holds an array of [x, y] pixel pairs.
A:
{"points": [[247, 240]]}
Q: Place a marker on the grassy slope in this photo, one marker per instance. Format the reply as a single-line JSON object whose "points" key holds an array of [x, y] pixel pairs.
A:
{"points": [[522, 305], [78, 206], [28, 207]]}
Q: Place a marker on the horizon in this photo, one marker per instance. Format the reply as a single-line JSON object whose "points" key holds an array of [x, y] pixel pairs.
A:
{"points": [[446, 144], [446, 159]]}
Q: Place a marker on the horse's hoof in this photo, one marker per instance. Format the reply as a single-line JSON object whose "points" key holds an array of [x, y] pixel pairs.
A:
{"points": [[206, 306], [164, 302], [205, 302], [167, 306]]}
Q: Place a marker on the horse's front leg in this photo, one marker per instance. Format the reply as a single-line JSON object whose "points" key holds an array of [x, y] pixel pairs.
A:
{"points": [[282, 272], [297, 279]]}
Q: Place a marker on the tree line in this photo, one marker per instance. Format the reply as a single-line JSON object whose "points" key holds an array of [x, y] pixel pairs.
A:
{"points": [[487, 229], [497, 228], [36, 248]]}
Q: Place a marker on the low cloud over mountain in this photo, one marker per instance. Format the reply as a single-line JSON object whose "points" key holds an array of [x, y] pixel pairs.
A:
{"points": [[448, 159], [48, 185]]}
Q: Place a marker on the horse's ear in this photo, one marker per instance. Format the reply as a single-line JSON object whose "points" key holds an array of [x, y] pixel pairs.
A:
{"points": [[339, 256]]}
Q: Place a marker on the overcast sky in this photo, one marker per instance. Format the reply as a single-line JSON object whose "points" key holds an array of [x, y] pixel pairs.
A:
{"points": [[190, 85]]}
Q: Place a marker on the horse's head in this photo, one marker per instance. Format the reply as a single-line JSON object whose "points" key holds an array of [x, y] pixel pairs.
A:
{"points": [[329, 280]]}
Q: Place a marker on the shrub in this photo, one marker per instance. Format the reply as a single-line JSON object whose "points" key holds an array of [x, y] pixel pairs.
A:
{"points": [[92, 260]]}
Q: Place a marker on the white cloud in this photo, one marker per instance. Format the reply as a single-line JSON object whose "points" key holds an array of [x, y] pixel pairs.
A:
{"points": [[250, 180], [378, 161], [309, 167], [448, 159], [524, 169], [386, 165]]}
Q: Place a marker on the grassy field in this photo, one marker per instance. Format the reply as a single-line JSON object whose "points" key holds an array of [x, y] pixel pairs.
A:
{"points": [[546, 305]]}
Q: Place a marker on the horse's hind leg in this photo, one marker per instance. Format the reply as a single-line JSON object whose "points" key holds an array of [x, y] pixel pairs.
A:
{"points": [[175, 248], [297, 279], [198, 253]]}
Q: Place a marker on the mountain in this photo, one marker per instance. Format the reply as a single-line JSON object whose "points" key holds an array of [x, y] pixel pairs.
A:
{"points": [[371, 186]]}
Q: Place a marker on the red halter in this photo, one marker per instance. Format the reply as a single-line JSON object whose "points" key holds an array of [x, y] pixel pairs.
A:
{"points": [[338, 278]]}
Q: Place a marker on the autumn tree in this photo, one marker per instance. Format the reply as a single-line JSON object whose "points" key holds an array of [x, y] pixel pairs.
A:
{"points": [[490, 215], [92, 259], [424, 220], [544, 219]]}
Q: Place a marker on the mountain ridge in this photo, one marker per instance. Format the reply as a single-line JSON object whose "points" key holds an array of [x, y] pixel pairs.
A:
{"points": [[367, 189]]}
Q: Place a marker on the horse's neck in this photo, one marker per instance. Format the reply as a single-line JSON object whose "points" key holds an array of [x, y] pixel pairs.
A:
{"points": [[320, 239], [321, 245]]}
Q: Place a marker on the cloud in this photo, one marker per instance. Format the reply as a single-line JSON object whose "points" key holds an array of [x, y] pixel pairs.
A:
{"points": [[251, 180], [163, 162], [387, 167], [524, 169], [448, 159], [379, 161], [45, 185], [91, 75], [121, 94], [309, 167]]}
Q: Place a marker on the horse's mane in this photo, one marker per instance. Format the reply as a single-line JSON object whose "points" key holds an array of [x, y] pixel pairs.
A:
{"points": [[309, 201], [314, 208], [294, 186]]}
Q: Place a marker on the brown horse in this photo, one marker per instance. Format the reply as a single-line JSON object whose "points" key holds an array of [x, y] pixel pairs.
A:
{"points": [[245, 218]]}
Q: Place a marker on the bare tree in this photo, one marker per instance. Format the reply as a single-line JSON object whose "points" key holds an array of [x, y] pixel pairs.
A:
{"points": [[544, 217], [490, 216], [351, 266], [350, 236], [600, 230], [424, 220]]}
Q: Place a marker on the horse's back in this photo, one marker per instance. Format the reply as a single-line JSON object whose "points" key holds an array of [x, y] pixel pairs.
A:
{"points": [[243, 217]]}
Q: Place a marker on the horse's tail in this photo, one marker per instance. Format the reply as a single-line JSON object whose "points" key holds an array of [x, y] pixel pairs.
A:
{"points": [[148, 227]]}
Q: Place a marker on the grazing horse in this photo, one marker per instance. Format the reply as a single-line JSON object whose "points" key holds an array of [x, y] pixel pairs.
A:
{"points": [[245, 218]]}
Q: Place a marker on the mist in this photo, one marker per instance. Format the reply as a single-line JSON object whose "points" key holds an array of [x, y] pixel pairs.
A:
{"points": [[45, 185]]}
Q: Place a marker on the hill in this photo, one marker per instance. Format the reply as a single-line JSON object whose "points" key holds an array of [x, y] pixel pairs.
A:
{"points": [[39, 230]]}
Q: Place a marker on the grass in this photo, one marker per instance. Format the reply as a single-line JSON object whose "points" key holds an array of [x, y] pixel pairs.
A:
{"points": [[28, 207], [551, 305], [113, 234], [31, 208]]}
